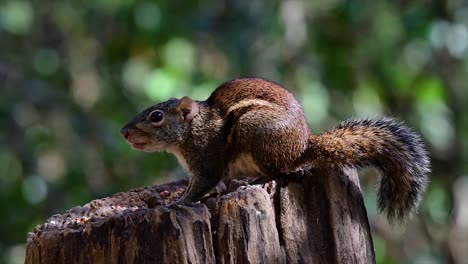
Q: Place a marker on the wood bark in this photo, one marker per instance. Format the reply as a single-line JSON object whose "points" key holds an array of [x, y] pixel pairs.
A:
{"points": [[317, 218]]}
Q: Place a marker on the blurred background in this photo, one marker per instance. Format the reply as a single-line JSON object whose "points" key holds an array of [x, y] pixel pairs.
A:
{"points": [[72, 73]]}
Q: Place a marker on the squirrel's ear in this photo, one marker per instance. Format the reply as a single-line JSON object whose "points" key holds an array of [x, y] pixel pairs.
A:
{"points": [[187, 108]]}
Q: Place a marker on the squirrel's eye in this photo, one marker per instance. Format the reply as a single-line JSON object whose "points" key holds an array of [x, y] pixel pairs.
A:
{"points": [[156, 116]]}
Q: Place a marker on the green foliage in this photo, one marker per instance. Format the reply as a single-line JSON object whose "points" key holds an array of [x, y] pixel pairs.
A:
{"points": [[72, 73]]}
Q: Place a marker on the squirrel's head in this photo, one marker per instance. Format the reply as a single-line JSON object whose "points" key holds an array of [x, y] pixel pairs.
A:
{"points": [[162, 126]]}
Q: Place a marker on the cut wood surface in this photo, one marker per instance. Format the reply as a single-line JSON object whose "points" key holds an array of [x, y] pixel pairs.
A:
{"points": [[319, 218]]}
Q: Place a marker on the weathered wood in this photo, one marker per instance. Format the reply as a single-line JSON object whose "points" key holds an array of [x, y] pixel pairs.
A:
{"points": [[319, 218]]}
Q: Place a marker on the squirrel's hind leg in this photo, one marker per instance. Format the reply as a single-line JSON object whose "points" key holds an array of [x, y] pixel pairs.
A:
{"points": [[274, 143]]}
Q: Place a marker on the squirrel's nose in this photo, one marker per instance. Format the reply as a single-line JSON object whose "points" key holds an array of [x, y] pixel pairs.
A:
{"points": [[124, 132]]}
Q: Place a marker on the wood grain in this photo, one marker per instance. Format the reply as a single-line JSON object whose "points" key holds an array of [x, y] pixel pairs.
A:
{"points": [[317, 218]]}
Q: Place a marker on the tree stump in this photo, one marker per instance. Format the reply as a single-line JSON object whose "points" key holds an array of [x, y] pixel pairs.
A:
{"points": [[319, 218]]}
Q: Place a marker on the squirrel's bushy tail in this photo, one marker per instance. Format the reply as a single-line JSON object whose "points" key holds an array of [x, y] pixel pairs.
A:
{"points": [[386, 144]]}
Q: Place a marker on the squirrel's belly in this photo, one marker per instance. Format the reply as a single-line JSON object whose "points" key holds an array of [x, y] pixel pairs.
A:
{"points": [[244, 166]]}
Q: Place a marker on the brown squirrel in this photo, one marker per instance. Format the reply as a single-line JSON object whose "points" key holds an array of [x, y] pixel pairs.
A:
{"points": [[254, 127]]}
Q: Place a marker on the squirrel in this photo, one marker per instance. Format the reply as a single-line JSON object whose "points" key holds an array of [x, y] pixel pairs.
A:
{"points": [[255, 127]]}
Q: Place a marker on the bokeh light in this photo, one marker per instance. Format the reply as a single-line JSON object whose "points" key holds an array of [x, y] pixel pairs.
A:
{"points": [[72, 73]]}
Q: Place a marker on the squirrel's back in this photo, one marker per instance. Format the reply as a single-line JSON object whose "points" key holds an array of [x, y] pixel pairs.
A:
{"points": [[239, 93], [261, 121]]}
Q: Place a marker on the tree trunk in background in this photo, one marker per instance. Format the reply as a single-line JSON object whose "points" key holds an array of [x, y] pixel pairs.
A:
{"points": [[319, 218]]}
